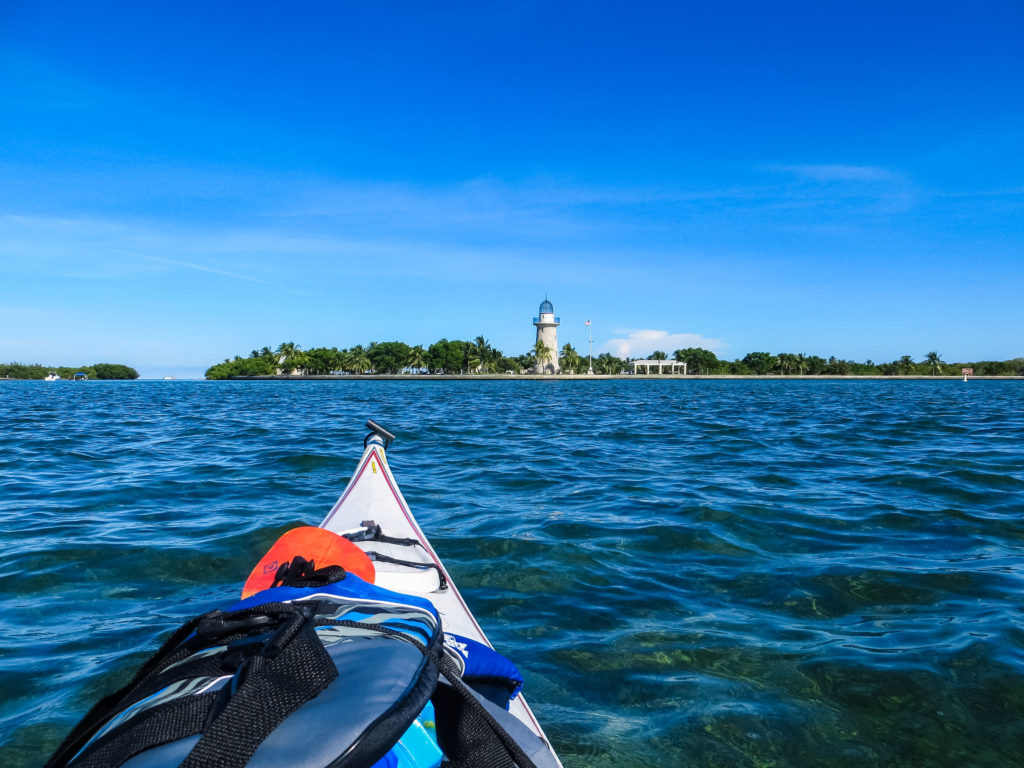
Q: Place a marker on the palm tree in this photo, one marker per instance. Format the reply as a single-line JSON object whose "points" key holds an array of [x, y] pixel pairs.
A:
{"points": [[787, 363], [343, 357], [417, 357], [934, 363], [905, 364], [333, 358], [481, 351], [495, 362], [570, 359], [285, 351], [606, 362], [358, 362], [287, 348], [298, 362], [542, 355], [487, 357], [658, 355]]}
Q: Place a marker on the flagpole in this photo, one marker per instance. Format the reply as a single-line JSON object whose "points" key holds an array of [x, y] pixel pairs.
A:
{"points": [[590, 330]]}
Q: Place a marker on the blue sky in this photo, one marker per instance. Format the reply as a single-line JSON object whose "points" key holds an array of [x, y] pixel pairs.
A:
{"points": [[181, 183]]}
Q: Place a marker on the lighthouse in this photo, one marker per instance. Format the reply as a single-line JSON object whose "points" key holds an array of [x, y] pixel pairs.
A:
{"points": [[547, 334]]}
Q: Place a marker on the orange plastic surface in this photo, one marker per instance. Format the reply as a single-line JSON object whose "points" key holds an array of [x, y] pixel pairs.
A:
{"points": [[321, 546]]}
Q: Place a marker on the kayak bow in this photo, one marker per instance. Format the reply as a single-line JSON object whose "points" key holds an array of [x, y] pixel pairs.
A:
{"points": [[372, 508]]}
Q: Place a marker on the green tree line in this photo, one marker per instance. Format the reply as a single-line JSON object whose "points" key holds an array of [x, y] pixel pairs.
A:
{"points": [[94, 371], [391, 357], [705, 362], [478, 356]]}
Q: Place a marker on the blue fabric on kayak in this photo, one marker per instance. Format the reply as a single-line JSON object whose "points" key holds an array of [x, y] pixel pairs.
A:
{"points": [[482, 661]]}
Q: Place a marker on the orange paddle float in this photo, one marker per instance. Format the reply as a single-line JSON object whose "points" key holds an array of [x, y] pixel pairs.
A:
{"points": [[317, 544]]}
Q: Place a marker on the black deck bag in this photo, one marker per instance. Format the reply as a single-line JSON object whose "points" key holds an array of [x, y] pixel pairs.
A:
{"points": [[317, 676]]}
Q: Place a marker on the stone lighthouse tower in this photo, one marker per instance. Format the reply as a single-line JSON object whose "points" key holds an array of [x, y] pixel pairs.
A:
{"points": [[547, 333]]}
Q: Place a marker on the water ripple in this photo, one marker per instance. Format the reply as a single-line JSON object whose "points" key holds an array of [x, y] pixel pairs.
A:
{"points": [[701, 573]]}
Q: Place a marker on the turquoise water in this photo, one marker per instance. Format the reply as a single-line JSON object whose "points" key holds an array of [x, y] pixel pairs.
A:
{"points": [[689, 573]]}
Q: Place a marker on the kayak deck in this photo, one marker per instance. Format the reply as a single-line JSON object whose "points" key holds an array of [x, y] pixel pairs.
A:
{"points": [[373, 495]]}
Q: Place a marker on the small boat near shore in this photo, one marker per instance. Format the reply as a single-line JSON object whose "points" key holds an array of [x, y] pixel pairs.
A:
{"points": [[350, 648]]}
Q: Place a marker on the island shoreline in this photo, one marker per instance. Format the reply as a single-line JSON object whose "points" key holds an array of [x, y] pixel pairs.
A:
{"points": [[600, 377]]}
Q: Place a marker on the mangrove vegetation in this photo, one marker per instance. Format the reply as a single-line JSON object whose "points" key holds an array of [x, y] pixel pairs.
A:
{"points": [[478, 357], [94, 371]]}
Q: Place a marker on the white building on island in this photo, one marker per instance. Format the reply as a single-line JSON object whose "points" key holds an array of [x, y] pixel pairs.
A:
{"points": [[547, 333], [674, 367]]}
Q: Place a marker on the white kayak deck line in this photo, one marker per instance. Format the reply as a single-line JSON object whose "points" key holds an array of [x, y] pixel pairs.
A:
{"points": [[373, 494]]}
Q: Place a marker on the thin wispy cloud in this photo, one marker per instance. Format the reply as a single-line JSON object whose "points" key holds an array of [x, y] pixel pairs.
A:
{"points": [[842, 189], [642, 343], [282, 252], [540, 209], [487, 195], [95, 248], [573, 214], [203, 268], [473, 219], [831, 172], [1008, 192]]}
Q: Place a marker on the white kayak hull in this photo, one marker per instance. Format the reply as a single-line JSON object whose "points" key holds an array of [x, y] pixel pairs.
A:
{"points": [[373, 495]]}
